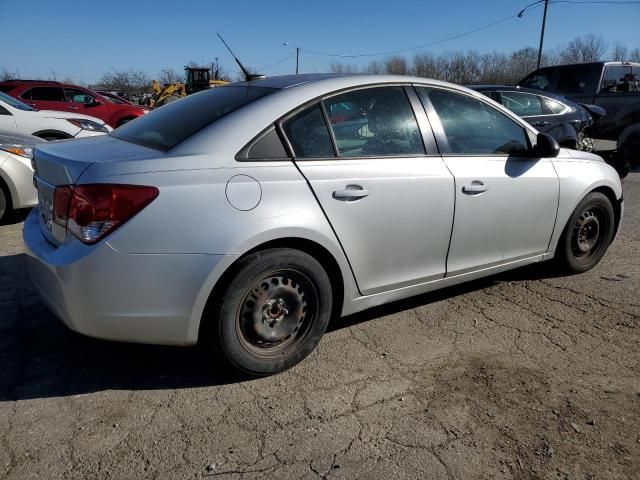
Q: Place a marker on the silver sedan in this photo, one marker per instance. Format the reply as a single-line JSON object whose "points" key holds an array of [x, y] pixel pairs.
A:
{"points": [[246, 216]]}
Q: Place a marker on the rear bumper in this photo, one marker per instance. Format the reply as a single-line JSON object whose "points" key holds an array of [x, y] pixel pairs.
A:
{"points": [[102, 293]]}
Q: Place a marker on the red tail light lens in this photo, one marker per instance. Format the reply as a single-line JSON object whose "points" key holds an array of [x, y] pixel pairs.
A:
{"points": [[91, 212]]}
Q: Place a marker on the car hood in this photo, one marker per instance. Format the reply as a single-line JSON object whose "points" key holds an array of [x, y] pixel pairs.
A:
{"points": [[19, 138], [67, 115]]}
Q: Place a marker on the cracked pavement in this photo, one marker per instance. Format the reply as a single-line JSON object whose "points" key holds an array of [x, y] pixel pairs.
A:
{"points": [[522, 375]]}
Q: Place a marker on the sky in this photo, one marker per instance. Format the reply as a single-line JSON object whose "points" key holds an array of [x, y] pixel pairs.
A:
{"points": [[82, 40]]}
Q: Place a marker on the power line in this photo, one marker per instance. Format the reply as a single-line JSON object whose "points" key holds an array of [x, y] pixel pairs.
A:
{"points": [[277, 63], [595, 2], [391, 52], [532, 5]]}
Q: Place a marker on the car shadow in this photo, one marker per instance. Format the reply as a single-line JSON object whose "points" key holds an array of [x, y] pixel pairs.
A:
{"points": [[42, 358]]}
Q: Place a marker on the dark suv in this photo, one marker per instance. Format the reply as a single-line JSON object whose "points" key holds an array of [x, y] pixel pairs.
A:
{"points": [[614, 86], [70, 98]]}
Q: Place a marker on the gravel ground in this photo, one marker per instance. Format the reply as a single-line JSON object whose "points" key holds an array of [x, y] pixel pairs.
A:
{"points": [[524, 375]]}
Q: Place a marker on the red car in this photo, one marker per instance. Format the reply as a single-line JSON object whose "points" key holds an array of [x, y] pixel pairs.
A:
{"points": [[44, 95]]}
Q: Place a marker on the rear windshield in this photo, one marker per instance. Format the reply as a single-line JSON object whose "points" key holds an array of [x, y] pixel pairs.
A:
{"points": [[173, 123], [540, 80]]}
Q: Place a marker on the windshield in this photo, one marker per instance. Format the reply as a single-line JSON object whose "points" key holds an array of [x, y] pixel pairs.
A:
{"points": [[15, 103], [167, 126]]}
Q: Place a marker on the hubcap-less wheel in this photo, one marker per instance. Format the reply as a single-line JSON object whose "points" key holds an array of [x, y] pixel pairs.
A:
{"points": [[3, 204], [587, 233], [273, 311], [276, 312]]}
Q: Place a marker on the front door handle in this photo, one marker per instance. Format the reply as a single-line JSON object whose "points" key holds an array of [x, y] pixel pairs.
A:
{"points": [[71, 107], [541, 123], [476, 187], [351, 193]]}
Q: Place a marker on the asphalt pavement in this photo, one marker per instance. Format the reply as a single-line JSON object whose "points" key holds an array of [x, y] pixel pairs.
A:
{"points": [[523, 375]]}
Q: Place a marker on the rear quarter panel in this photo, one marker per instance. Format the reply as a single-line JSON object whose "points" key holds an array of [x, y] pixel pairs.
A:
{"points": [[192, 213]]}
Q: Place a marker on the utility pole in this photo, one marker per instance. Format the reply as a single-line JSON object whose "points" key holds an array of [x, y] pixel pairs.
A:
{"points": [[297, 59], [544, 22]]}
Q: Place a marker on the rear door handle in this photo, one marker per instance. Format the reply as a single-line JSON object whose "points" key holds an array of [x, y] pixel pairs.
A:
{"points": [[351, 193], [475, 187], [541, 123]]}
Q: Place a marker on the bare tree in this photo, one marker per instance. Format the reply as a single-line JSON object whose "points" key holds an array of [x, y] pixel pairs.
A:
{"points": [[619, 52], [424, 65], [6, 74], [396, 65], [128, 81], [588, 48], [374, 66], [338, 67], [634, 55], [169, 75]]}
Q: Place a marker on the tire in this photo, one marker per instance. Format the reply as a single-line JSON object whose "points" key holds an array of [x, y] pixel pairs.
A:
{"points": [[273, 312], [587, 235], [629, 145], [5, 204]]}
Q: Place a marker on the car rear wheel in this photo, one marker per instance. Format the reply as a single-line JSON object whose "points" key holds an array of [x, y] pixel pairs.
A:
{"points": [[587, 235], [274, 311], [5, 204]]}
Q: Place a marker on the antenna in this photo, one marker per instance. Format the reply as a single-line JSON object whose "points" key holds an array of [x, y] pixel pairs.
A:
{"points": [[248, 76]]}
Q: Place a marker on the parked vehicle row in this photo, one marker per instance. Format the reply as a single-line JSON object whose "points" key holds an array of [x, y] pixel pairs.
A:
{"points": [[245, 216], [614, 86], [21, 128], [45, 95], [569, 123], [16, 116]]}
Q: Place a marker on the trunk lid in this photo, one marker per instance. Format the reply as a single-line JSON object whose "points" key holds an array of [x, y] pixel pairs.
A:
{"points": [[63, 163]]}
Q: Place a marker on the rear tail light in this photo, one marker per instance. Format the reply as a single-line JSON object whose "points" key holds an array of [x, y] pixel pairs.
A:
{"points": [[90, 212]]}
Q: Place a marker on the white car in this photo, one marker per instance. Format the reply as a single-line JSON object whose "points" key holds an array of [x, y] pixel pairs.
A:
{"points": [[16, 173], [19, 117]]}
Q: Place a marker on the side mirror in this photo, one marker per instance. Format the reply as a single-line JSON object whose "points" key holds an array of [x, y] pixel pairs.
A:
{"points": [[91, 102], [546, 146]]}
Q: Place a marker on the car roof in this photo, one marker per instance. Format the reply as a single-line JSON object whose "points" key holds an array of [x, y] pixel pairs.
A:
{"points": [[345, 79]]}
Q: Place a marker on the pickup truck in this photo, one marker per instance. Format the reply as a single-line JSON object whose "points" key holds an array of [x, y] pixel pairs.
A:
{"points": [[613, 86]]}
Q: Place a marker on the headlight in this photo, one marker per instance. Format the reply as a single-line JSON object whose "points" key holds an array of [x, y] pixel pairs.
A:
{"points": [[88, 125], [17, 149]]}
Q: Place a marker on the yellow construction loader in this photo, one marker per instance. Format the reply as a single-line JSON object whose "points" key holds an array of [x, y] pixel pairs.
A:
{"points": [[197, 79]]}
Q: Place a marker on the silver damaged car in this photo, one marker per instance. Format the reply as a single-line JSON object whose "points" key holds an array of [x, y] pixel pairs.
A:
{"points": [[245, 217]]}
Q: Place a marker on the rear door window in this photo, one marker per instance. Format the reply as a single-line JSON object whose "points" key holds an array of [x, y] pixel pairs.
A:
{"points": [[166, 127], [45, 94], [522, 104], [308, 134], [374, 122], [538, 80], [573, 79], [78, 96]]}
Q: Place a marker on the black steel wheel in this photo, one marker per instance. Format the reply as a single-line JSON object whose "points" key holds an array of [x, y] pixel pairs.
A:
{"points": [[274, 311], [5, 203], [587, 235]]}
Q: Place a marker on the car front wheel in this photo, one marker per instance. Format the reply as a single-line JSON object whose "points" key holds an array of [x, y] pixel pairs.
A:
{"points": [[274, 311], [587, 235]]}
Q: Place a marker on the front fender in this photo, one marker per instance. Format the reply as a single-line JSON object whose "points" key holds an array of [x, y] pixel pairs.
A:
{"points": [[578, 176]]}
